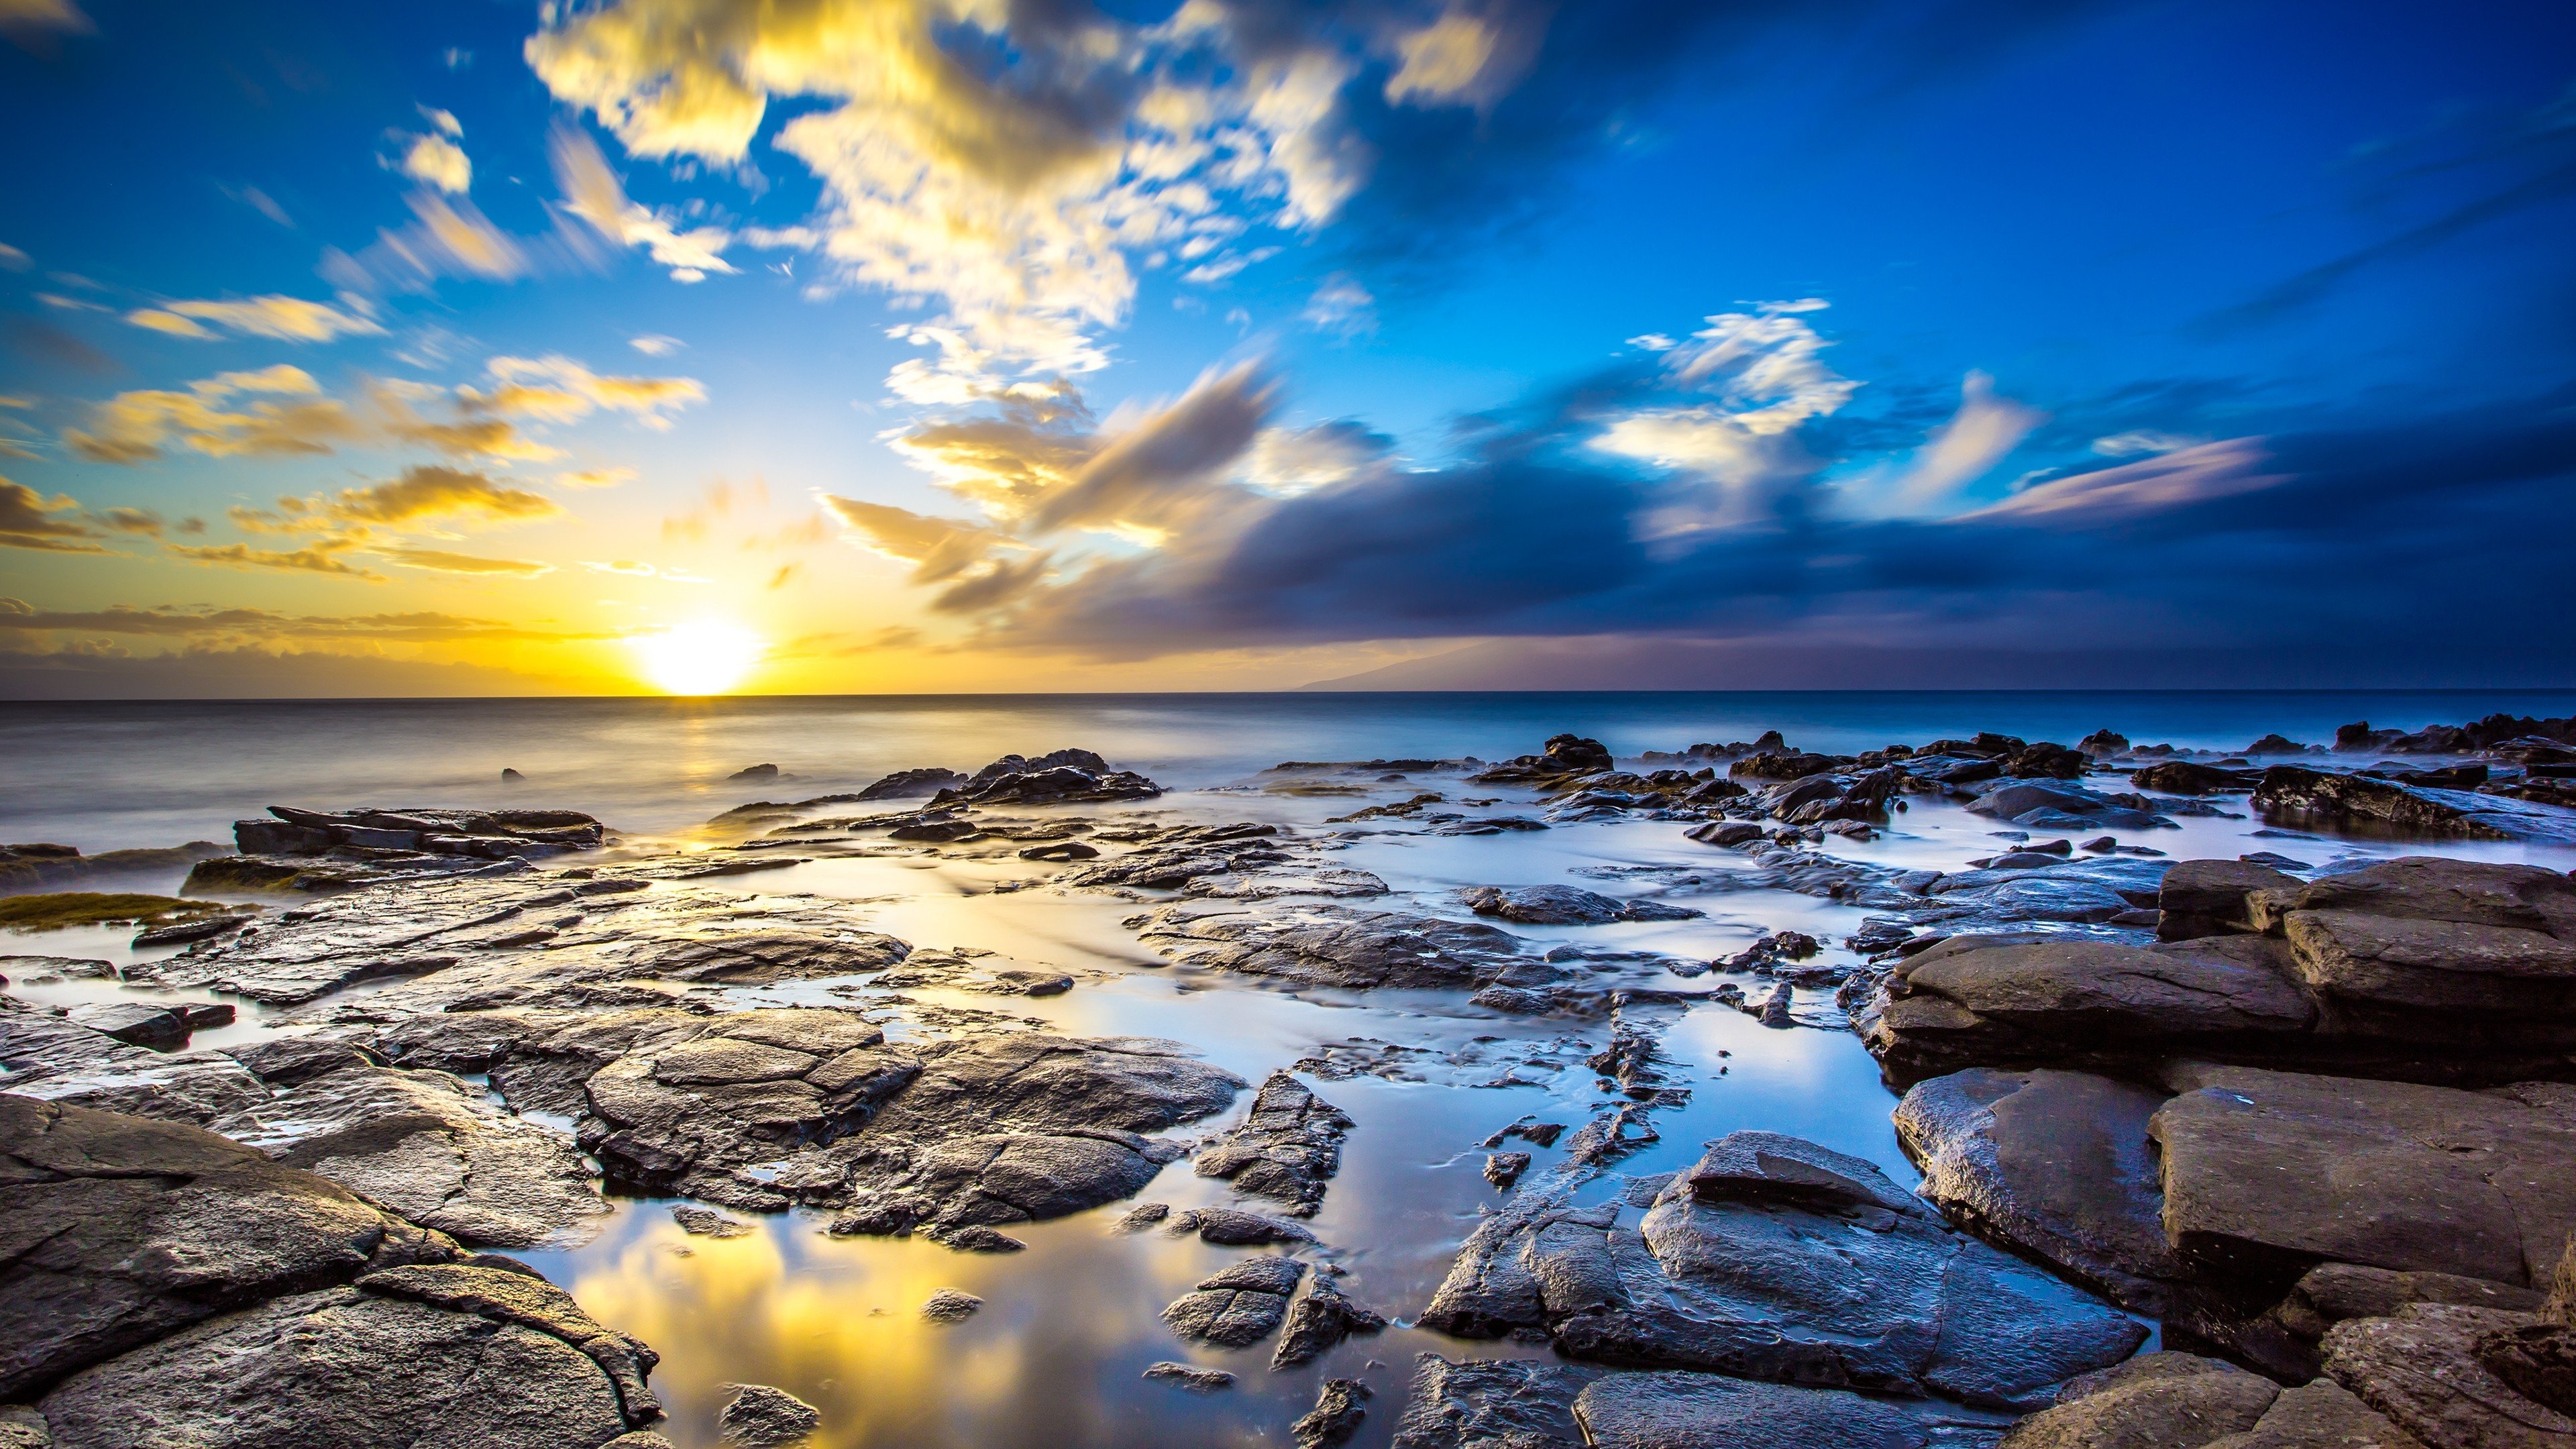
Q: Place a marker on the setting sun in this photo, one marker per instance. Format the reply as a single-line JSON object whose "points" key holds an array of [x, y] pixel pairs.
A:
{"points": [[708, 656]]}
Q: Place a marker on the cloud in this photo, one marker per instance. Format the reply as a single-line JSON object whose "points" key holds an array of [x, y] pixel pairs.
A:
{"points": [[437, 161], [321, 556], [28, 520], [288, 319], [134, 427], [1341, 306], [595, 478], [440, 561], [557, 389], [939, 549], [132, 520], [592, 192], [1962, 450], [656, 345], [1017, 197], [2176, 479], [426, 491], [253, 672], [32, 24]]}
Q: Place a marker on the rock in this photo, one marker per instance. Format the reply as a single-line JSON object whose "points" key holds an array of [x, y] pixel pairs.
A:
{"points": [[1289, 1146], [2054, 806], [286, 1061], [1562, 758], [2210, 897], [760, 1417], [52, 1059], [1061, 850], [2267, 1173], [122, 1230], [2278, 744], [1189, 1376], [2329, 1293], [340, 1368], [975, 1238], [1336, 1416], [1239, 1306], [2395, 966], [1777, 1259], [1726, 834], [2421, 1369], [429, 1147], [2057, 1166], [132, 1022], [2183, 777], [2104, 742], [1529, 1404], [1998, 1001], [1779, 765], [2157, 1401], [694, 1107], [1142, 1216], [1336, 946], [2537, 1359], [1550, 905], [700, 1222], [1502, 1169], [1015, 1128], [754, 772], [1322, 1318], [951, 1305], [2294, 794], [1064, 777], [1229, 1228], [906, 784]]}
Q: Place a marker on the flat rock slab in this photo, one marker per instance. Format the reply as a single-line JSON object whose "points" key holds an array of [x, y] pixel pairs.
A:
{"points": [[2421, 1369], [1777, 1259], [1336, 946], [2182, 1401], [2055, 1165], [1537, 1404], [1238, 1306], [52, 1059], [429, 1147], [2267, 1173]]}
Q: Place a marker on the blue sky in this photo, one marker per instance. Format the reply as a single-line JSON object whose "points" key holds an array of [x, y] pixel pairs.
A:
{"points": [[941, 344]]}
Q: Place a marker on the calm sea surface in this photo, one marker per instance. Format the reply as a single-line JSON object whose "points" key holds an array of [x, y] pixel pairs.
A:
{"points": [[1055, 1358], [109, 776]]}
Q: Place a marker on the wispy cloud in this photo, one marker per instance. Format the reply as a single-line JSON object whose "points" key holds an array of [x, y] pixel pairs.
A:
{"points": [[288, 319]]}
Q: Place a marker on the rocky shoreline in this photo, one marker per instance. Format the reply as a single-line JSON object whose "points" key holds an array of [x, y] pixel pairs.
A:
{"points": [[2314, 1126]]}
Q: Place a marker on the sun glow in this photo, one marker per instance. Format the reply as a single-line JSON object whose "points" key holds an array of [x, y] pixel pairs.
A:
{"points": [[709, 656]]}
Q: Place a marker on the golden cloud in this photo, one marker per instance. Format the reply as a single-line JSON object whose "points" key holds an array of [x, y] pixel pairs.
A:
{"points": [[437, 161], [239, 623], [287, 319], [322, 556], [27, 520], [426, 491], [440, 561], [133, 427]]}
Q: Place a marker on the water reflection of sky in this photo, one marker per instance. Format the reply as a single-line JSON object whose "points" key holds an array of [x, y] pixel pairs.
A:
{"points": [[1054, 1358]]}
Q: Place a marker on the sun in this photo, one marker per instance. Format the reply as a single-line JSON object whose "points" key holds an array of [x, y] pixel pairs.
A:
{"points": [[708, 656]]}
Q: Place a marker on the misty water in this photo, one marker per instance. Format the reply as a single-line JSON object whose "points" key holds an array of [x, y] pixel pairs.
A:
{"points": [[1055, 1355]]}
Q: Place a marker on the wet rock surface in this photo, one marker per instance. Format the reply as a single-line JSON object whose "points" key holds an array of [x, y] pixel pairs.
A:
{"points": [[1239, 1306], [760, 1417], [1777, 1259], [1288, 1148], [2185, 1401]]}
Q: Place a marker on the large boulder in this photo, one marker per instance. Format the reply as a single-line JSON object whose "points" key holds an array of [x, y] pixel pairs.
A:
{"points": [[122, 1229], [1777, 1259], [2182, 1401], [1537, 1404], [2269, 1173], [449, 1355], [2422, 1369]]}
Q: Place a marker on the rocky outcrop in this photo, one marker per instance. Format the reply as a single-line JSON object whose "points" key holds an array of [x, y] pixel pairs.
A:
{"points": [[1340, 1405], [31, 867], [2419, 968], [1065, 777], [1776, 1259], [1562, 760], [2297, 795], [1320, 1319], [2422, 1368], [1288, 1148]]}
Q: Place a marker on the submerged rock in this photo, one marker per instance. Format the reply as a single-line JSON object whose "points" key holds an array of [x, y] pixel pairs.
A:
{"points": [[1556, 905], [760, 1417], [1336, 946], [1339, 1408], [1189, 1376]]}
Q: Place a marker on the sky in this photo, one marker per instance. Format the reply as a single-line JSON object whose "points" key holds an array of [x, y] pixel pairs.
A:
{"points": [[826, 346]]}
